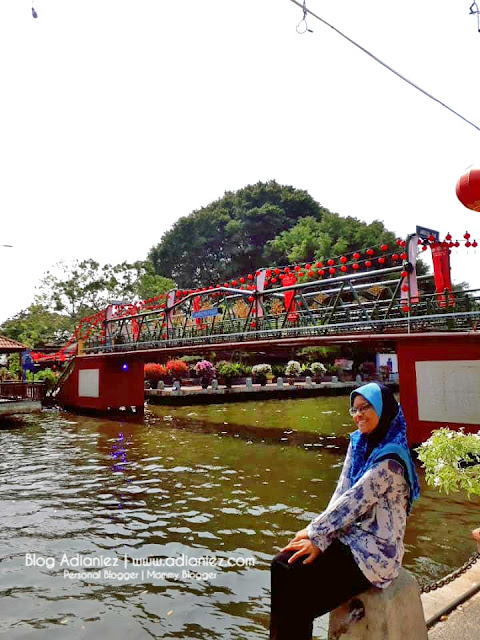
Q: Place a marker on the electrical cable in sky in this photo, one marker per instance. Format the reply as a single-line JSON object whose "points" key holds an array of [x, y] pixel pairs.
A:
{"points": [[384, 64]]}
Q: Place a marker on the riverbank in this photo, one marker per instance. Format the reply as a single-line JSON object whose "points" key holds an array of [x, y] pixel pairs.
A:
{"points": [[242, 393]]}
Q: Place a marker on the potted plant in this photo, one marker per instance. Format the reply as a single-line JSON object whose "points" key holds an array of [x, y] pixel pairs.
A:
{"points": [[452, 463], [154, 372], [177, 369], [368, 370], [206, 371], [332, 371], [228, 371], [292, 370], [318, 369], [261, 371]]}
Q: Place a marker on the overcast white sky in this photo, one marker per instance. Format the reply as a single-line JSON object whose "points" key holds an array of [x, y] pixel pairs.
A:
{"points": [[118, 117]]}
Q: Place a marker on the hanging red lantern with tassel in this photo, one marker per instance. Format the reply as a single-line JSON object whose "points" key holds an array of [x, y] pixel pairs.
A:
{"points": [[468, 188]]}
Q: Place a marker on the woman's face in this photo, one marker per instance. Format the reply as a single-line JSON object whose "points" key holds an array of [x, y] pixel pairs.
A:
{"points": [[366, 420]]}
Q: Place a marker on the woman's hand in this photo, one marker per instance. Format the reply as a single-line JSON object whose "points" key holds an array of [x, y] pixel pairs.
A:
{"points": [[476, 535], [300, 535], [302, 547]]}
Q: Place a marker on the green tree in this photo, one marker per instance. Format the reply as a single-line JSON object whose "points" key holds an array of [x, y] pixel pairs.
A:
{"points": [[333, 235], [36, 327], [228, 237], [86, 286]]}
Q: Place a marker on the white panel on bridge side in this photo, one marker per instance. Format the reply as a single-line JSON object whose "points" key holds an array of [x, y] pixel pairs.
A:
{"points": [[89, 383], [449, 391]]}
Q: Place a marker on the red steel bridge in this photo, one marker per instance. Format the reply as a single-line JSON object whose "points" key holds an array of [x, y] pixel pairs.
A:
{"points": [[422, 318]]}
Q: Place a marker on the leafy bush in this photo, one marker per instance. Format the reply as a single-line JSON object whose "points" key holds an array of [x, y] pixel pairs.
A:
{"points": [[177, 368], [332, 370], [48, 376], [154, 371], [229, 369], [318, 368], [5, 374], [278, 370], [293, 368], [452, 461]]}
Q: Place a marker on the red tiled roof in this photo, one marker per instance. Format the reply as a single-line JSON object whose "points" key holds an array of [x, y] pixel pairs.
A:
{"points": [[7, 345]]}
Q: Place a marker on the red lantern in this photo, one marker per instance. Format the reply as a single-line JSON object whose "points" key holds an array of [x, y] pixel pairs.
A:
{"points": [[332, 271], [242, 280], [330, 262], [424, 248], [466, 235], [395, 256], [277, 271], [250, 277], [296, 268], [356, 256], [456, 244], [474, 244], [344, 268], [403, 256], [343, 260], [321, 272], [368, 263], [319, 265], [311, 273], [448, 237], [405, 308], [381, 260], [356, 266], [251, 299], [300, 274], [308, 267], [274, 280], [253, 324], [370, 252], [468, 189], [384, 247], [468, 244]]}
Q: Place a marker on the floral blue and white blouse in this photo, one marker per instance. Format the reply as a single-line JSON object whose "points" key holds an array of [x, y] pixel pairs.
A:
{"points": [[370, 517]]}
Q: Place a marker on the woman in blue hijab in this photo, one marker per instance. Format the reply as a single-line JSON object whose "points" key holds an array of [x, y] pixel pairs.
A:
{"points": [[357, 541]]}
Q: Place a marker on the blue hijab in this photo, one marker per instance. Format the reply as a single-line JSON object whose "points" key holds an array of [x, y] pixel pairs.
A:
{"points": [[389, 440]]}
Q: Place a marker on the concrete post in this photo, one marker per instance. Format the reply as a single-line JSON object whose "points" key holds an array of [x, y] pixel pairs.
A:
{"points": [[248, 384], [308, 382], [394, 613], [214, 385], [279, 383]]}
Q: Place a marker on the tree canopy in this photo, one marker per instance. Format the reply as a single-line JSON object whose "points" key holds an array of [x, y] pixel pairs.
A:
{"points": [[86, 286], [228, 237], [72, 291], [257, 226]]}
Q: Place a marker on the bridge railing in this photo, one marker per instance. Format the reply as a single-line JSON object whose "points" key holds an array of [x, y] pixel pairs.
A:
{"points": [[377, 316], [14, 390]]}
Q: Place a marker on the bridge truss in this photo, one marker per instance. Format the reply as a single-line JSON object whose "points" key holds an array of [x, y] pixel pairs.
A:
{"points": [[354, 304]]}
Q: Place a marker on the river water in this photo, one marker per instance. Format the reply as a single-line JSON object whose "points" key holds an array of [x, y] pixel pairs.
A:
{"points": [[183, 511]]}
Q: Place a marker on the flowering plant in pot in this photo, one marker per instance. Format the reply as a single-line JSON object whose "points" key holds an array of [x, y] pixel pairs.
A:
{"points": [[177, 369], [318, 369], [154, 372], [206, 371], [261, 371], [292, 370]]}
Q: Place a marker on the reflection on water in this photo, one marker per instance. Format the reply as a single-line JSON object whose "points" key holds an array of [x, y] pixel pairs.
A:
{"points": [[215, 489]]}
